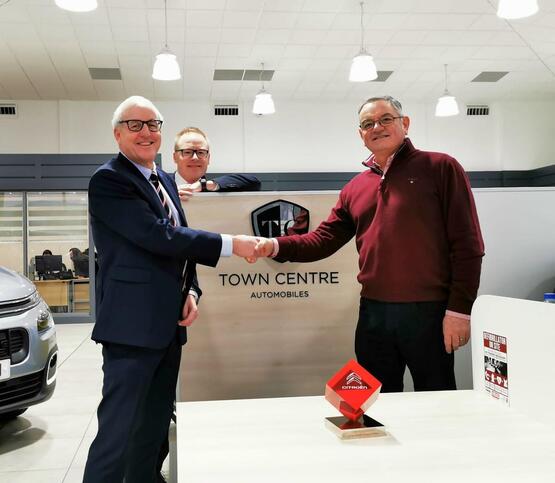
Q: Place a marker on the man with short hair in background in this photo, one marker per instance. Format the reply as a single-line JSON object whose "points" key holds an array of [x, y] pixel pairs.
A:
{"points": [[192, 157], [420, 252], [146, 295]]}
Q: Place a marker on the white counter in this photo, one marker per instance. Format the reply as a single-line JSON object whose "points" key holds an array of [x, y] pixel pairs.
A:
{"points": [[454, 436]]}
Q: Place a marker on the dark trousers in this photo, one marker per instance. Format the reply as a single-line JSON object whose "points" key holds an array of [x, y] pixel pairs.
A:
{"points": [[134, 414], [392, 336]]}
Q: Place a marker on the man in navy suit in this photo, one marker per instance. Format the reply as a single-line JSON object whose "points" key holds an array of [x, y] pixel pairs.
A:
{"points": [[192, 157], [146, 295]]}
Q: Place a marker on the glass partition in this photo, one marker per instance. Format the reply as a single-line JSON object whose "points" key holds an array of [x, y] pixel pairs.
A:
{"points": [[57, 248], [11, 231]]}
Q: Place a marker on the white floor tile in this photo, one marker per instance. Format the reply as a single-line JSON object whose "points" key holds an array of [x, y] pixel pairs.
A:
{"points": [[44, 476], [74, 475], [37, 453]]}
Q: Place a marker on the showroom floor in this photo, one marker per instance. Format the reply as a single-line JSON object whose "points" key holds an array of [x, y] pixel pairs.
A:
{"points": [[49, 442]]}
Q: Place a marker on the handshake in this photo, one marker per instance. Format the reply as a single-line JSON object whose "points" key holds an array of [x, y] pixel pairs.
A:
{"points": [[251, 248]]}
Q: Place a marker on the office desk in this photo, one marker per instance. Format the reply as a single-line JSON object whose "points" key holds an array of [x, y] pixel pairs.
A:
{"points": [[68, 295], [80, 299], [54, 292], [454, 436]]}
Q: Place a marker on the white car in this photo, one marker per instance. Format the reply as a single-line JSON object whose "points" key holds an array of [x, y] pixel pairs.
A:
{"points": [[28, 349]]}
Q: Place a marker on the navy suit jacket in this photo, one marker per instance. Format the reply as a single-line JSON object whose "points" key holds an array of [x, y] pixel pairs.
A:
{"points": [[141, 256], [235, 182]]}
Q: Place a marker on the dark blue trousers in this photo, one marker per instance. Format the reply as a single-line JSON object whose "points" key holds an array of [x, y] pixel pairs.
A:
{"points": [[134, 414], [392, 336]]}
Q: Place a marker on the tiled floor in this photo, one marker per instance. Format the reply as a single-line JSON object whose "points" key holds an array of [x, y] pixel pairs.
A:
{"points": [[50, 441]]}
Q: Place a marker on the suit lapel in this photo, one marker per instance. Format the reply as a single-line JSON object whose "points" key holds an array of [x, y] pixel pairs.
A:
{"points": [[143, 184]]}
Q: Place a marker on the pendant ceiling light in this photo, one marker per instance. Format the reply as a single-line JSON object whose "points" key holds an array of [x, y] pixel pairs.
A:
{"points": [[446, 104], [512, 9], [166, 67], [77, 5], [363, 68], [263, 102]]}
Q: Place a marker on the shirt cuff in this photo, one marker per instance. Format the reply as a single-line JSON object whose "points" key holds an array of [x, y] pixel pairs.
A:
{"points": [[227, 246], [194, 294], [276, 248], [457, 314]]}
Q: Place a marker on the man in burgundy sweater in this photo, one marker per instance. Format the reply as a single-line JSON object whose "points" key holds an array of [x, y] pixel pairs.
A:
{"points": [[420, 252]]}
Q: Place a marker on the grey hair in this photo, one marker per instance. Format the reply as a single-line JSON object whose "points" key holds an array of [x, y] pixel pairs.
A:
{"points": [[394, 103], [134, 101]]}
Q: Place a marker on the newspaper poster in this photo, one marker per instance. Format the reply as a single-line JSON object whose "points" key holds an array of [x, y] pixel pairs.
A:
{"points": [[495, 366]]}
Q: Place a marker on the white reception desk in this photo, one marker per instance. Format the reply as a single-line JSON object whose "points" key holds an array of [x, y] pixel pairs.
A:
{"points": [[455, 436]]}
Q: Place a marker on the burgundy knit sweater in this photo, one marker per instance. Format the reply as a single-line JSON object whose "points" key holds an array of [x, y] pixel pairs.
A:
{"points": [[417, 231]]}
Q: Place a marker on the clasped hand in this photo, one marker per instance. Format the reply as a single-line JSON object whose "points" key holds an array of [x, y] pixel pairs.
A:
{"points": [[252, 248]]}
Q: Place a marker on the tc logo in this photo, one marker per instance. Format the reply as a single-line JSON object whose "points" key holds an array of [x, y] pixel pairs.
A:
{"points": [[280, 218]]}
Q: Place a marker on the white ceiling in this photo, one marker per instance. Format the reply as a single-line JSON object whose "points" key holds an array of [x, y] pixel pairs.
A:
{"points": [[45, 52]]}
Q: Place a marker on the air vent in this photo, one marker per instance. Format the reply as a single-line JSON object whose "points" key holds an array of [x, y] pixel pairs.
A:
{"points": [[489, 76], [8, 110], [226, 110], [103, 73], [241, 74], [477, 110], [383, 75]]}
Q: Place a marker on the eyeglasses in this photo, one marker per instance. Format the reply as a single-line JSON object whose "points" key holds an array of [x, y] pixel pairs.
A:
{"points": [[382, 121], [189, 153], [135, 125]]}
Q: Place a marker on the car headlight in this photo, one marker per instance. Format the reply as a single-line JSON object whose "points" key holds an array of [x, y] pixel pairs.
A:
{"points": [[35, 299], [44, 320]]}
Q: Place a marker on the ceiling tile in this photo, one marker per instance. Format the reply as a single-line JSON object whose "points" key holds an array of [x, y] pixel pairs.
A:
{"points": [[283, 6], [124, 47], [299, 51], [439, 21], [130, 34], [201, 50], [331, 6], [51, 15], [204, 18], [101, 60], [314, 20], [234, 50], [241, 20], [333, 52], [239, 35], [201, 35], [176, 18], [270, 54], [60, 33], [314, 37], [272, 36], [96, 32], [342, 37], [277, 20], [206, 4], [96, 17]]}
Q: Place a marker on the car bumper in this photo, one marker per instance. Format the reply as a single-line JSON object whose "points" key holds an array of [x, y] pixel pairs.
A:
{"points": [[29, 389]]}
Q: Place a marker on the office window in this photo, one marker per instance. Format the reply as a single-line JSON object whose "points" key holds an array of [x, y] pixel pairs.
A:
{"points": [[57, 224], [11, 231]]}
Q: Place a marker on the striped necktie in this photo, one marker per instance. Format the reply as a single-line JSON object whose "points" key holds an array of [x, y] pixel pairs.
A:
{"points": [[163, 199]]}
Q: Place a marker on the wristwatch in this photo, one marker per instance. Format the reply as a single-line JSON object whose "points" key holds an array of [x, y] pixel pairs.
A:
{"points": [[203, 187]]}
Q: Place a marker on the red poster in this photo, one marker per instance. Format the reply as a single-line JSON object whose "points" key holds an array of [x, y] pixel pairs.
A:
{"points": [[496, 369]]}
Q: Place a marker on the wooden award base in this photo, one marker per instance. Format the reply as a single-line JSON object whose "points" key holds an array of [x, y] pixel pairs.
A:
{"points": [[363, 428]]}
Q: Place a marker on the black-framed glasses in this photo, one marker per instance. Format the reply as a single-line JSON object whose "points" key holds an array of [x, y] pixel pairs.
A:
{"points": [[136, 125], [189, 153], [382, 121]]}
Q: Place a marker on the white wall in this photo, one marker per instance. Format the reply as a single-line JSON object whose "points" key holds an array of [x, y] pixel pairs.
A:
{"points": [[301, 136]]}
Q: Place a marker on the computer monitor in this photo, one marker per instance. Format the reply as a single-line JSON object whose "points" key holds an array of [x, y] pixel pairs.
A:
{"points": [[81, 266], [48, 264]]}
